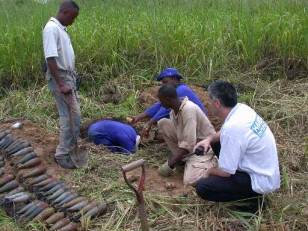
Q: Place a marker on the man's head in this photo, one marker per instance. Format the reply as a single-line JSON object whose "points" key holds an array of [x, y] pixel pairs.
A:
{"points": [[169, 76], [168, 96], [68, 12], [222, 96]]}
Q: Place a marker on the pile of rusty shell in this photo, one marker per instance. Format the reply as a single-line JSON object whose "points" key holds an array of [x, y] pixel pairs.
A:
{"points": [[90, 211]]}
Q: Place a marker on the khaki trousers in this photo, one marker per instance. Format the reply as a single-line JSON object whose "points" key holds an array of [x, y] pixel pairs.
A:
{"points": [[195, 166]]}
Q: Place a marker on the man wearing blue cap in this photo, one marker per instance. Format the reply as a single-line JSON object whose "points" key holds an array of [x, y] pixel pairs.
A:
{"points": [[157, 111]]}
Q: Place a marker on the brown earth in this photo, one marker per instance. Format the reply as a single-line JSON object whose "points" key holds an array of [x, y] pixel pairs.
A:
{"points": [[45, 143]]}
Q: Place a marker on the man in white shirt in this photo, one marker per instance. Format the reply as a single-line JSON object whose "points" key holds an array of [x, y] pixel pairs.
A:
{"points": [[248, 162], [187, 125], [61, 77]]}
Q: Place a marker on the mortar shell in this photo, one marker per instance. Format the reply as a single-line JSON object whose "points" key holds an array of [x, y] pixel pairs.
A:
{"points": [[37, 179], [67, 199], [45, 214], [73, 202], [22, 152], [9, 186], [30, 164], [25, 158], [70, 227], [54, 218], [96, 211], [78, 206], [5, 179], [61, 223], [34, 172]]}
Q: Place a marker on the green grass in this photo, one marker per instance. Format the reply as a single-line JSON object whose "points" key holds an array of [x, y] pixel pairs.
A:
{"points": [[113, 37]]}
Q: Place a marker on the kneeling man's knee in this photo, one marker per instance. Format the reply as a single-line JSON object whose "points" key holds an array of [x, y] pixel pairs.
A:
{"points": [[203, 188]]}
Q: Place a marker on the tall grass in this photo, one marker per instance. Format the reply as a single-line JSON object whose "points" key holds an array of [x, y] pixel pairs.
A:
{"points": [[113, 37]]}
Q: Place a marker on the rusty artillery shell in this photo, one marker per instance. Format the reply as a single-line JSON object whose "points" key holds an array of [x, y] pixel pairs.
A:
{"points": [[54, 189], [70, 227], [35, 212], [67, 199], [6, 141], [27, 207], [9, 186], [31, 163], [61, 223], [62, 197], [73, 202], [83, 211], [13, 144], [15, 149], [49, 186], [55, 218], [45, 214], [44, 182], [25, 158], [78, 206], [35, 172], [22, 198], [5, 179], [22, 152], [96, 211], [37, 179], [16, 190], [56, 194], [34, 208], [2, 163], [15, 195]]}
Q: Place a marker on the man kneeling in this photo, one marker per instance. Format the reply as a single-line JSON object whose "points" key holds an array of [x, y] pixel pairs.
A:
{"points": [[248, 162], [187, 125]]}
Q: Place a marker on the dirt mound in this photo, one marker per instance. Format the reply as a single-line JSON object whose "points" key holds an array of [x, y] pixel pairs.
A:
{"points": [[149, 96]]}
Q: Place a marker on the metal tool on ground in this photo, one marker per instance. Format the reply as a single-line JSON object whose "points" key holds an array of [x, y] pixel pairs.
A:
{"points": [[79, 156], [138, 190]]}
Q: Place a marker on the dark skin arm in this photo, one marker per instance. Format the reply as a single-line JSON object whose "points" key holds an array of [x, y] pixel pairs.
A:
{"points": [[174, 159], [53, 68]]}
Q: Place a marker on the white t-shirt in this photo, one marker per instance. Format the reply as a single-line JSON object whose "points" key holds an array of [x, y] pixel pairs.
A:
{"points": [[248, 145], [57, 44]]}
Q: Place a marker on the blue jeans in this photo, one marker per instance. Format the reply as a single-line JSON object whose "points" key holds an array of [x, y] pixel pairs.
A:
{"points": [[69, 114]]}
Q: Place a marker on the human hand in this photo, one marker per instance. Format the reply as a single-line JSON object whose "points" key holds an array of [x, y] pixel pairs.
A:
{"points": [[65, 89], [145, 131], [204, 144]]}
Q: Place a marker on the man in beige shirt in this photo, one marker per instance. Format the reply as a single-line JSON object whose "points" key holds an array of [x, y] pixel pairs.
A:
{"points": [[187, 125]]}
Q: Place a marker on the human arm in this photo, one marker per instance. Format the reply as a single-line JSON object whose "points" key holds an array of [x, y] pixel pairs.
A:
{"points": [[206, 143], [175, 158], [217, 172], [53, 68]]}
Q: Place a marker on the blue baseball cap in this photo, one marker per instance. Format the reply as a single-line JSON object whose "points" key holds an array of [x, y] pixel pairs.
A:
{"points": [[169, 72]]}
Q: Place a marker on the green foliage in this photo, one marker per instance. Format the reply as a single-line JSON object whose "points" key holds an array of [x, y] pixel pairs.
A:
{"points": [[113, 37]]}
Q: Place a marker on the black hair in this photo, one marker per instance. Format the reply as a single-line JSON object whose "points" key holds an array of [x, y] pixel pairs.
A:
{"points": [[68, 4], [168, 90], [223, 91]]}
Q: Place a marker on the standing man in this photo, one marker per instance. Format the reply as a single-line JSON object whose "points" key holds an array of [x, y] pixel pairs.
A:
{"points": [[187, 125], [61, 77], [157, 111], [248, 162]]}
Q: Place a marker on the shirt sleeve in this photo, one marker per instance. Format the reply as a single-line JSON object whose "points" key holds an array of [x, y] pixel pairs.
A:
{"points": [[50, 42], [230, 154], [188, 137], [157, 111]]}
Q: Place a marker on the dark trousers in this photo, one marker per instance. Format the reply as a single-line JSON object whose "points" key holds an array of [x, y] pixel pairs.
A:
{"points": [[216, 188]]}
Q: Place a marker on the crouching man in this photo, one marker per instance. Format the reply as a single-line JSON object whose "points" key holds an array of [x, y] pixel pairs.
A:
{"points": [[248, 162], [187, 125]]}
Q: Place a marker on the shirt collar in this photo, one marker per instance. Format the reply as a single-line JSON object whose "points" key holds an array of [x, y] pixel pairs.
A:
{"points": [[231, 112], [56, 21], [184, 101]]}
